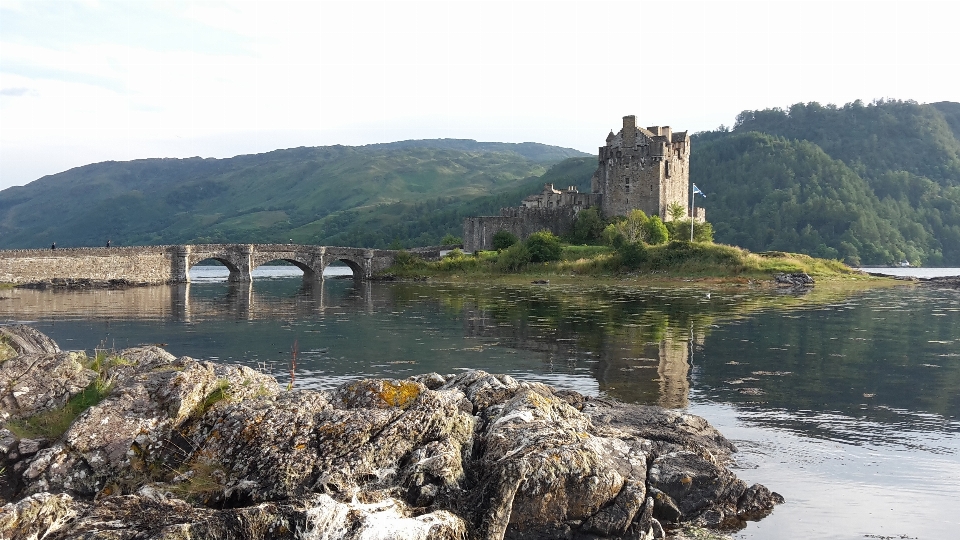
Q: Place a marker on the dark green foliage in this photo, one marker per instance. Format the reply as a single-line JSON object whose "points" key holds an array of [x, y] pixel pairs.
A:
{"points": [[451, 240], [871, 184], [503, 240], [408, 261], [679, 253], [514, 258], [632, 254], [680, 230], [588, 227], [656, 231], [543, 246], [768, 193]]}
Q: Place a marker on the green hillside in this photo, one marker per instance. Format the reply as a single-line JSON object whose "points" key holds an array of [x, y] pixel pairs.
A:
{"points": [[871, 184], [866, 183], [300, 193]]}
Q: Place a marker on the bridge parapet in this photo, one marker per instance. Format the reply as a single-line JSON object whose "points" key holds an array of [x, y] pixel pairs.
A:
{"points": [[172, 263]]}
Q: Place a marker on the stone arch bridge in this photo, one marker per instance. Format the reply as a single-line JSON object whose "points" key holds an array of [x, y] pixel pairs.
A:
{"points": [[171, 264]]}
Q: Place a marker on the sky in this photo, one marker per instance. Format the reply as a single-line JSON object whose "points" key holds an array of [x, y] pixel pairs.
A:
{"points": [[89, 81]]}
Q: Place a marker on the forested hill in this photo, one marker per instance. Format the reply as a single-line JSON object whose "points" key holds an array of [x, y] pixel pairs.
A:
{"points": [[325, 195], [870, 184]]}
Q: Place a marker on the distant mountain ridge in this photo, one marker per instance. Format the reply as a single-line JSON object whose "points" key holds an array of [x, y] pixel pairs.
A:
{"points": [[273, 196]]}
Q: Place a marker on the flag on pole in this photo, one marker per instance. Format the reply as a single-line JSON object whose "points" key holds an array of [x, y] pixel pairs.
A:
{"points": [[697, 190]]}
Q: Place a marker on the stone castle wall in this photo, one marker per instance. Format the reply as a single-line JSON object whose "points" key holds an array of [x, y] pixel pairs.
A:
{"points": [[645, 169], [520, 221]]}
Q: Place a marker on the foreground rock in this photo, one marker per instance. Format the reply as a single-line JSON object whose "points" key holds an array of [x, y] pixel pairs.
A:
{"points": [[185, 449]]}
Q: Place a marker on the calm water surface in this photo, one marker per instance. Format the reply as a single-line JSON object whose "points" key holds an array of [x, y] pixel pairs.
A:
{"points": [[845, 403]]}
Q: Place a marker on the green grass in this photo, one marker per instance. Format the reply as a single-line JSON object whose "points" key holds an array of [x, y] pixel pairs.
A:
{"points": [[676, 259], [220, 393], [53, 423]]}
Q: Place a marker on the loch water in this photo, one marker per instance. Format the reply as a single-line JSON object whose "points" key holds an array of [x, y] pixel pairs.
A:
{"points": [[846, 403]]}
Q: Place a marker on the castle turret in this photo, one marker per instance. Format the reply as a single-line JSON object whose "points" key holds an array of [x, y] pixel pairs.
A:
{"points": [[643, 169]]}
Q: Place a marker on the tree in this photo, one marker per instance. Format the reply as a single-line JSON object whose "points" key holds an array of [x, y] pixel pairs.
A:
{"points": [[676, 211], [543, 246], [451, 240], [656, 231], [588, 227], [503, 239]]}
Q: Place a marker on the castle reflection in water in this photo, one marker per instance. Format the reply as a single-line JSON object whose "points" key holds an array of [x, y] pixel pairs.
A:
{"points": [[632, 352]]}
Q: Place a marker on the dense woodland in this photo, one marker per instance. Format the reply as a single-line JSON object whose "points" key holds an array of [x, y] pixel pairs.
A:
{"points": [[870, 183]]}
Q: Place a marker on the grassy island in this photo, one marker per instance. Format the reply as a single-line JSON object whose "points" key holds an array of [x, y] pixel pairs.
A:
{"points": [[668, 261]]}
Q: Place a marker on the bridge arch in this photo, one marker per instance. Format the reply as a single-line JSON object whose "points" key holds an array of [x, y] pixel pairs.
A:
{"points": [[309, 273], [356, 267]]}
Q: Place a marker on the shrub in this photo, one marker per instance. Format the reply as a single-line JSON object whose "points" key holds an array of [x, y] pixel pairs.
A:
{"points": [[503, 240], [656, 231], [587, 227], [451, 240], [406, 260], [613, 236], [456, 261], [632, 254], [514, 258], [544, 246]]}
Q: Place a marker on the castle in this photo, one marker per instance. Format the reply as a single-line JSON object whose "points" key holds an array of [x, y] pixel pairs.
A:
{"points": [[645, 169]]}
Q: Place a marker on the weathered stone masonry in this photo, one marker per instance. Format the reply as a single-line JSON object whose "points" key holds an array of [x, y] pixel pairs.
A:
{"points": [[645, 169], [171, 264]]}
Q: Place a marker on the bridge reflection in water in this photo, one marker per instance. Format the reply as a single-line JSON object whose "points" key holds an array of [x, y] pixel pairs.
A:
{"points": [[636, 354]]}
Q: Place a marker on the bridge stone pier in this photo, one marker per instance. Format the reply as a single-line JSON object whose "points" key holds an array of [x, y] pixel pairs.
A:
{"points": [[150, 265]]}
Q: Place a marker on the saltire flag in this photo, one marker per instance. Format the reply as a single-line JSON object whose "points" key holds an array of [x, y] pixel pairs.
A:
{"points": [[697, 190]]}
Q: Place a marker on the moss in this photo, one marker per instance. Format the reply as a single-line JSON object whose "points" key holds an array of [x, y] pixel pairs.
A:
{"points": [[54, 423], [220, 393], [6, 351]]}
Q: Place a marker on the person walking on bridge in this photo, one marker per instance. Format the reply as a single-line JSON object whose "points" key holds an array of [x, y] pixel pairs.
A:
{"points": [[108, 243], [53, 245]]}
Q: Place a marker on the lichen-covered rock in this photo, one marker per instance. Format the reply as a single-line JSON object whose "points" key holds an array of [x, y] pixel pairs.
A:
{"points": [[354, 441], [23, 339], [184, 449], [36, 382], [36, 516], [153, 395], [542, 467]]}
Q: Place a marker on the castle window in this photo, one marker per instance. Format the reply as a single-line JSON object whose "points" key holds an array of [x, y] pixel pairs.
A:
{"points": [[668, 169]]}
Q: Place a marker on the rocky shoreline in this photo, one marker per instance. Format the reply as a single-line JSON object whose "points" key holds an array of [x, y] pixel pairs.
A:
{"points": [[176, 448]]}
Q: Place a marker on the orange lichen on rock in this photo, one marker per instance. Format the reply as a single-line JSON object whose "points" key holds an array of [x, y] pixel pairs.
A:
{"points": [[380, 393]]}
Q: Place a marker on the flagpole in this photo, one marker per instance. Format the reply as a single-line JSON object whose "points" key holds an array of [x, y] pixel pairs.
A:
{"points": [[692, 193]]}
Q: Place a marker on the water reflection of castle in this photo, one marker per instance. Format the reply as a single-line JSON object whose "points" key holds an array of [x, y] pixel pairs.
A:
{"points": [[631, 363], [624, 362]]}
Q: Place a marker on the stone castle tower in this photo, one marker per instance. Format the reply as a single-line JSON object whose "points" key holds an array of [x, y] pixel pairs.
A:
{"points": [[646, 169]]}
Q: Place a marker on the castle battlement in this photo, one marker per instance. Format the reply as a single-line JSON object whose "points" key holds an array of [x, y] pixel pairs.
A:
{"points": [[638, 168]]}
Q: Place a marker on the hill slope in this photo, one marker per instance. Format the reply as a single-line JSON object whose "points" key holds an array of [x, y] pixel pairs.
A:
{"points": [[871, 184], [258, 198]]}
